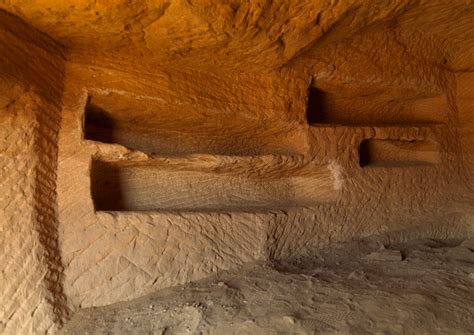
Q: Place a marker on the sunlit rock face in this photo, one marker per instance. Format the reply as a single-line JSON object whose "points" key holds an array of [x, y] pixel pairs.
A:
{"points": [[146, 144]]}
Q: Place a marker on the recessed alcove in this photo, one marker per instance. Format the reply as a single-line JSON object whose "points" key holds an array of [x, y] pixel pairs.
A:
{"points": [[99, 125], [157, 126], [397, 153], [222, 184], [342, 106], [317, 111]]}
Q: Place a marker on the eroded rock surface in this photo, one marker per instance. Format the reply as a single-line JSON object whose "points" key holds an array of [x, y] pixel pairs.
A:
{"points": [[340, 291], [148, 144]]}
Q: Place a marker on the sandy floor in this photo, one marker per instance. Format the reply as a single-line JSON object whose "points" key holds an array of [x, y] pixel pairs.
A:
{"points": [[420, 287]]}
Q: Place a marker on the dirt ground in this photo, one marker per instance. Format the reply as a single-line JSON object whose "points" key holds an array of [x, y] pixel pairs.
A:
{"points": [[418, 287]]}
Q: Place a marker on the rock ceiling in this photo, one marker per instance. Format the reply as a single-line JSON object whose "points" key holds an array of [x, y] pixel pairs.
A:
{"points": [[243, 35]]}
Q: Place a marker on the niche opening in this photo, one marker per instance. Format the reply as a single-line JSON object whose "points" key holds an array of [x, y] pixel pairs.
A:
{"points": [[397, 153], [193, 185], [317, 111]]}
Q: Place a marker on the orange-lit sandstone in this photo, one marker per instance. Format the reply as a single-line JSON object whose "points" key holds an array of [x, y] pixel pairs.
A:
{"points": [[148, 144]]}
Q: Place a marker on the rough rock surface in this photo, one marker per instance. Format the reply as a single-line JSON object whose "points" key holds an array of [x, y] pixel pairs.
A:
{"points": [[339, 292], [147, 144], [32, 68]]}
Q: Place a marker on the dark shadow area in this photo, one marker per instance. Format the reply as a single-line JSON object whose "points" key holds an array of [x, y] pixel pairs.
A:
{"points": [[364, 153], [317, 107], [106, 188], [98, 125]]}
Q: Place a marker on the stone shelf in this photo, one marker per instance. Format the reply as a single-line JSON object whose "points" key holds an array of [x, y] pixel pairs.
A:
{"points": [[210, 183]]}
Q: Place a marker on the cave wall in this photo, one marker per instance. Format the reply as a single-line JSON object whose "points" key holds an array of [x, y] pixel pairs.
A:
{"points": [[32, 67], [370, 93], [126, 254], [175, 143], [154, 200]]}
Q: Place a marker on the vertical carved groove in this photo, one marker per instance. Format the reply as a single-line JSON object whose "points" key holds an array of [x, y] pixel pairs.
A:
{"points": [[45, 202]]}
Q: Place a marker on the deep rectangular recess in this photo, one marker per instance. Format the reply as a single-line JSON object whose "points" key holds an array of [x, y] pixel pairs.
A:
{"points": [[155, 126], [398, 153], [153, 186], [343, 107]]}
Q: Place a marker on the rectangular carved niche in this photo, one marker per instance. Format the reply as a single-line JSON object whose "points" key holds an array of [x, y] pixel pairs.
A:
{"points": [[245, 184], [155, 126], [342, 107], [398, 153]]}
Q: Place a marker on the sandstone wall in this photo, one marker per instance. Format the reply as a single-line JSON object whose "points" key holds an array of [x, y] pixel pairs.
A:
{"points": [[126, 254], [31, 85], [197, 136], [192, 146]]}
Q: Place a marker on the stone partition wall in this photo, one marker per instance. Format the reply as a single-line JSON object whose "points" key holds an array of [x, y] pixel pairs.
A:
{"points": [[31, 82]]}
